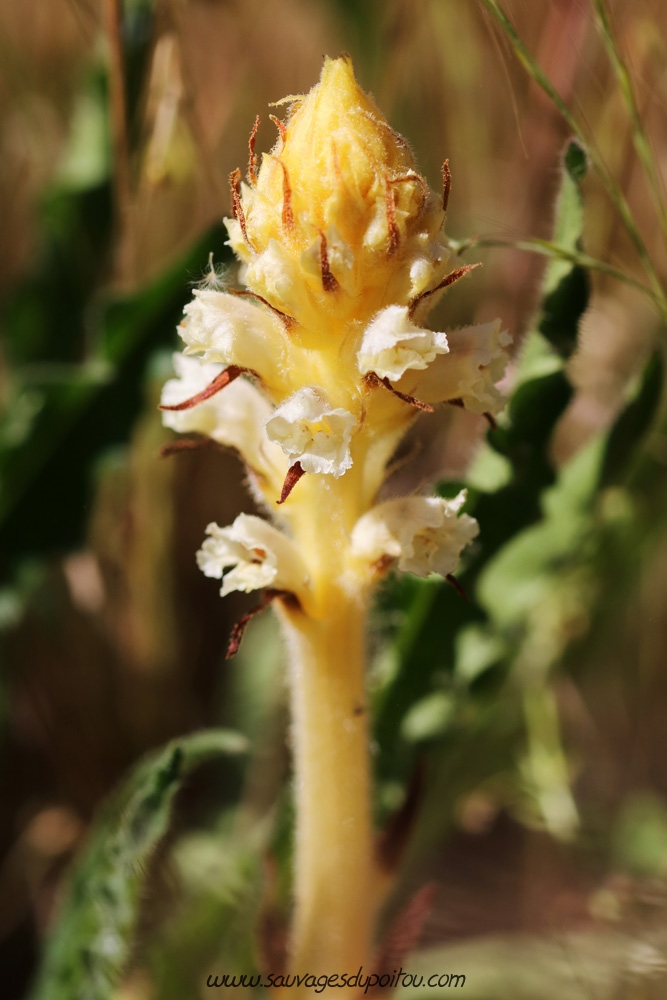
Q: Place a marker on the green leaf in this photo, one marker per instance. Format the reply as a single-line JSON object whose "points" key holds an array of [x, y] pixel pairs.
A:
{"points": [[64, 415], [562, 309], [633, 423], [213, 930], [93, 937], [434, 613], [566, 288], [576, 161]]}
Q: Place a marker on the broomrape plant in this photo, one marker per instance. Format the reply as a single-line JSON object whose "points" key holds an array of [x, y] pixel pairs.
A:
{"points": [[313, 372]]}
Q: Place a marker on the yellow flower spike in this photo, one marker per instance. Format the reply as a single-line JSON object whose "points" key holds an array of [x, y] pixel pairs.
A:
{"points": [[338, 220], [343, 252]]}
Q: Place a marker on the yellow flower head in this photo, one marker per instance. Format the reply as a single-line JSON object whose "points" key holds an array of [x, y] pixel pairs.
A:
{"points": [[338, 205], [343, 253]]}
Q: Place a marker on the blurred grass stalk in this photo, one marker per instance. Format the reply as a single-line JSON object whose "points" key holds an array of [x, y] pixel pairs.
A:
{"points": [[656, 289]]}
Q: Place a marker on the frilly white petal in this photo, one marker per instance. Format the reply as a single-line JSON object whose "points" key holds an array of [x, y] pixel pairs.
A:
{"points": [[313, 433], [477, 359], [233, 417], [392, 344], [425, 534], [261, 556], [193, 376], [230, 330]]}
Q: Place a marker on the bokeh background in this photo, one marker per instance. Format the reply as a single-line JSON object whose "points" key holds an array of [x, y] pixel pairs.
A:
{"points": [[116, 141]]}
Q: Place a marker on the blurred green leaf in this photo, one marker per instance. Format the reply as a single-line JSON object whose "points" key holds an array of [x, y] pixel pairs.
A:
{"points": [[566, 289], [562, 308], [639, 838], [576, 162], [508, 503], [93, 938], [524, 569], [633, 423], [64, 414], [428, 718], [214, 928]]}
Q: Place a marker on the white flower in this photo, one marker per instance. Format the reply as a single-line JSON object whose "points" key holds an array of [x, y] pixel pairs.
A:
{"points": [[261, 556], [339, 257], [312, 433], [192, 376], [392, 344], [430, 252], [234, 416], [425, 534], [280, 279], [231, 330], [477, 359]]}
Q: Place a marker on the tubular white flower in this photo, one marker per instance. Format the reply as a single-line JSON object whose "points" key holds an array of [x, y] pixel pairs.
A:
{"points": [[392, 344], [312, 433], [192, 376], [425, 534], [261, 556], [339, 255], [477, 359], [231, 330], [233, 417], [280, 279], [430, 253]]}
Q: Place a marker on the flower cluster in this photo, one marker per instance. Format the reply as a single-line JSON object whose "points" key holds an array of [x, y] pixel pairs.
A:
{"points": [[315, 370]]}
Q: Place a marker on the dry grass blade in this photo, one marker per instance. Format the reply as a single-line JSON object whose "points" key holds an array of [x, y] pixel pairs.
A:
{"points": [[640, 140], [113, 11], [611, 186]]}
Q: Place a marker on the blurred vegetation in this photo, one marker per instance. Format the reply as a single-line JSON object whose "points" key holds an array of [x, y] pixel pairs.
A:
{"points": [[519, 739]]}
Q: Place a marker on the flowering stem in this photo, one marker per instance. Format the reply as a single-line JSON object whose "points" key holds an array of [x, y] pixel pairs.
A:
{"points": [[345, 254], [333, 862], [333, 893]]}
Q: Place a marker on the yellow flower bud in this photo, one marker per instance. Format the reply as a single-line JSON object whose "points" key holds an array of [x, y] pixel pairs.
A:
{"points": [[338, 222], [343, 253]]}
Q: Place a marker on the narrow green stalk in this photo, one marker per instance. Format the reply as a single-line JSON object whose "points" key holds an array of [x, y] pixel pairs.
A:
{"points": [[553, 250], [639, 138]]}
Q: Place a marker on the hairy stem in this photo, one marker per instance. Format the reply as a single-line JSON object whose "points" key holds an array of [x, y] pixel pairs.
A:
{"points": [[334, 864]]}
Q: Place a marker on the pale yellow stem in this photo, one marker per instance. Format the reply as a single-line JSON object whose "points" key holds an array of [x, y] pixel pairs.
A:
{"points": [[334, 871], [333, 893]]}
